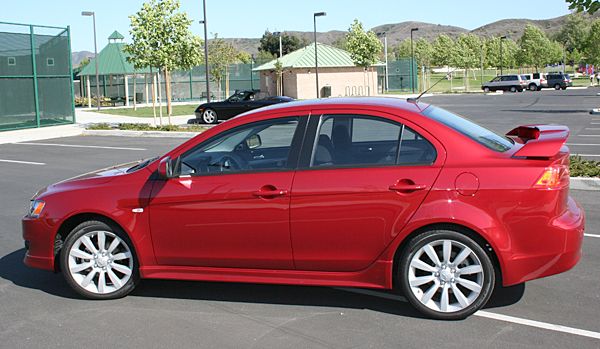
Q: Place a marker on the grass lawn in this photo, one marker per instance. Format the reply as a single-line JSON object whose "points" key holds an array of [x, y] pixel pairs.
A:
{"points": [[146, 112]]}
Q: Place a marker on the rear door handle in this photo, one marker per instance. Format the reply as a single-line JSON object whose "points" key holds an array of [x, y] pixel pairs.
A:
{"points": [[407, 187], [269, 191]]}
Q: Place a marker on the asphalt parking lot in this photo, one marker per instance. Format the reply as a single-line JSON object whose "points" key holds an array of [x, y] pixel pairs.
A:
{"points": [[39, 310]]}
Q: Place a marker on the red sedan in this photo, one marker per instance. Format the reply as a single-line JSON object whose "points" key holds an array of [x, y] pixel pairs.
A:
{"points": [[370, 192]]}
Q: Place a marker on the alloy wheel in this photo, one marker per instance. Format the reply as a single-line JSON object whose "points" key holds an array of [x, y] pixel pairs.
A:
{"points": [[209, 116], [446, 276], [100, 262]]}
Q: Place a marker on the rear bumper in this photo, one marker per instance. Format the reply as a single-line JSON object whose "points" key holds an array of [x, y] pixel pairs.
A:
{"points": [[559, 249], [39, 243]]}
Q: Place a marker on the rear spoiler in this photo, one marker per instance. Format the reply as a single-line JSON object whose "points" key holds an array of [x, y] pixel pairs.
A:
{"points": [[542, 141]]}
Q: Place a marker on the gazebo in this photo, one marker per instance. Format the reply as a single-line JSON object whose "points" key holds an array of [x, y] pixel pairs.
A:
{"points": [[114, 73]]}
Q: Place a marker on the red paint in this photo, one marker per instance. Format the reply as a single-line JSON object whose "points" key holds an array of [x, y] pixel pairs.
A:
{"points": [[339, 226]]}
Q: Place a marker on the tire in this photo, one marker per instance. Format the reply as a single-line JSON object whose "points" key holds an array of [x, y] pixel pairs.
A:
{"points": [[564, 87], [421, 277], [115, 262], [539, 88], [533, 87], [209, 116], [513, 89], [557, 87], [486, 89]]}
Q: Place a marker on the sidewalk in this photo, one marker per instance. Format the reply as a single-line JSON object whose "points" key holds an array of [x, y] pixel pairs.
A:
{"points": [[88, 116]]}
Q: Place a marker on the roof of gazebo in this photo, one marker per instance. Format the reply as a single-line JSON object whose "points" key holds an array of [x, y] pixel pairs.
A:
{"points": [[112, 60]]}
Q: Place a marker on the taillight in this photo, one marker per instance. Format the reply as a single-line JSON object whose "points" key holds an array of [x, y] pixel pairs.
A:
{"points": [[553, 177]]}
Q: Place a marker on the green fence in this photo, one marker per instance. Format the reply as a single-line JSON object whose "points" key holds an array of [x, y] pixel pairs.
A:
{"points": [[35, 76], [399, 76], [185, 85]]}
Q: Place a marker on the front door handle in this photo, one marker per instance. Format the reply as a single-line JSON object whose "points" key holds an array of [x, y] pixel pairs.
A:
{"points": [[407, 186], [269, 191]]}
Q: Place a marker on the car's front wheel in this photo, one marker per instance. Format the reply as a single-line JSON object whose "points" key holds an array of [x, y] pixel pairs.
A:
{"points": [[209, 116], [446, 275], [98, 261]]}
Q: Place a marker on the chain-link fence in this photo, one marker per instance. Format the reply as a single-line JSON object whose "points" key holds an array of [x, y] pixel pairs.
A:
{"points": [[35, 76]]}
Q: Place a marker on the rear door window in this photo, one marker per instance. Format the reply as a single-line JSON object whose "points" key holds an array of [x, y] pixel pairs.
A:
{"points": [[360, 140]]}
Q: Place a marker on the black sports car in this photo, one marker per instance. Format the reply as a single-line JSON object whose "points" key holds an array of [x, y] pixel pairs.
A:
{"points": [[239, 102]]}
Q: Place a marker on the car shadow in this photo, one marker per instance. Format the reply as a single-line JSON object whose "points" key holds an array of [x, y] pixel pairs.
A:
{"points": [[13, 269]]}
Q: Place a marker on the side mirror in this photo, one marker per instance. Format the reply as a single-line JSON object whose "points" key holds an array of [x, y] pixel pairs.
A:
{"points": [[253, 141], [168, 168]]}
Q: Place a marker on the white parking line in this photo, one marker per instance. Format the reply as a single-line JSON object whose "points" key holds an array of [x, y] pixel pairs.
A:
{"points": [[592, 235], [538, 324], [489, 315], [586, 144], [595, 123], [587, 154], [587, 135], [80, 146], [23, 162], [593, 128]]}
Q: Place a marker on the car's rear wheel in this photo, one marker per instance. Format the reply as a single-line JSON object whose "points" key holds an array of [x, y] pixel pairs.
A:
{"points": [[486, 89], [533, 87], [446, 275], [98, 261], [209, 116], [513, 89], [557, 87]]}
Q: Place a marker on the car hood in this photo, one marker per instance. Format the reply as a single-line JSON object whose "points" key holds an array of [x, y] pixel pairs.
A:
{"points": [[95, 177]]}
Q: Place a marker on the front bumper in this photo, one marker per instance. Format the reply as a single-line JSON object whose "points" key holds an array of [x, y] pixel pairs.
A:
{"points": [[559, 249], [39, 243]]}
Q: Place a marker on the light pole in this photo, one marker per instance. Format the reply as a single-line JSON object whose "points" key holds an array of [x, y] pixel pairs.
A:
{"points": [[90, 13], [501, 57], [315, 15], [251, 71], [280, 45], [206, 52], [412, 62]]}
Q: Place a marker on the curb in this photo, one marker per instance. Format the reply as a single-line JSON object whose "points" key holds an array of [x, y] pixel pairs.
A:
{"points": [[155, 134], [585, 183], [41, 133]]}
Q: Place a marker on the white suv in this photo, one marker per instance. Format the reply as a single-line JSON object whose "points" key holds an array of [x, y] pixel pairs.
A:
{"points": [[536, 81]]}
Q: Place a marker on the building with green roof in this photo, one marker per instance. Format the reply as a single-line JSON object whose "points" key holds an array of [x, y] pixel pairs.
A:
{"points": [[114, 72], [338, 76]]}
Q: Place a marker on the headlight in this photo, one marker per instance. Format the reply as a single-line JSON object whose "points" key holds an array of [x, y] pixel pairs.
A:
{"points": [[35, 208]]}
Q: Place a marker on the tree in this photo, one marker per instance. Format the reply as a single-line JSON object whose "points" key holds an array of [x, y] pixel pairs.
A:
{"points": [[593, 47], [243, 57], [270, 43], [364, 47], [443, 51], [339, 43], [264, 57], [84, 62], [574, 32], [590, 6], [535, 48], [423, 52], [161, 37], [468, 47], [402, 50], [492, 53], [221, 54]]}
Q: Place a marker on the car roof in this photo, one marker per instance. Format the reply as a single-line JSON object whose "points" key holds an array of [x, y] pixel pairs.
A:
{"points": [[363, 102]]}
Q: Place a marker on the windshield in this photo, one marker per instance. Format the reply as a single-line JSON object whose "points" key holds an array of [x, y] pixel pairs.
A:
{"points": [[470, 129], [238, 96]]}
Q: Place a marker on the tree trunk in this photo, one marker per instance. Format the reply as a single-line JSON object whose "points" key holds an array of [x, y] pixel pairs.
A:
{"points": [[168, 92]]}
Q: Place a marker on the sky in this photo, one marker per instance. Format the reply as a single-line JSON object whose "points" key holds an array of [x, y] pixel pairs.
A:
{"points": [[250, 19]]}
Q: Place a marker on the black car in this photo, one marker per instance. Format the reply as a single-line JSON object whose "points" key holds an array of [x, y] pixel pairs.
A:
{"points": [[558, 81], [239, 102]]}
